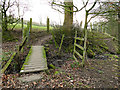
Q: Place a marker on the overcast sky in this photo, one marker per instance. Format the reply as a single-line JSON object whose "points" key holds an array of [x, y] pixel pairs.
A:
{"points": [[40, 10]]}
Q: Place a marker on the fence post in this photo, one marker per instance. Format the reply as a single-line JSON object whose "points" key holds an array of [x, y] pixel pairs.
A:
{"points": [[28, 30], [101, 29], [81, 24], [97, 27], [84, 52], [90, 27], [30, 25], [48, 24], [22, 28]]}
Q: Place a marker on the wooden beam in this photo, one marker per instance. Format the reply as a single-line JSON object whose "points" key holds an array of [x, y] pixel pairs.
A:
{"points": [[78, 38], [78, 54], [79, 46]]}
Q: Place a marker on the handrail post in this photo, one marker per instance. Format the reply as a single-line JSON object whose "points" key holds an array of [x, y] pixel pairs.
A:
{"points": [[22, 28], [30, 25], [48, 24]]}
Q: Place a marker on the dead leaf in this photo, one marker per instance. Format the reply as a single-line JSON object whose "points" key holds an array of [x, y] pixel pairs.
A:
{"points": [[53, 86], [12, 82], [34, 83], [52, 80]]}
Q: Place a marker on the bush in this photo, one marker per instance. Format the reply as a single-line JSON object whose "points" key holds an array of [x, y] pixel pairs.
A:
{"points": [[68, 40]]}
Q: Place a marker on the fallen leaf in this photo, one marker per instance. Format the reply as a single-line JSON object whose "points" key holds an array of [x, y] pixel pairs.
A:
{"points": [[13, 82], [34, 83]]}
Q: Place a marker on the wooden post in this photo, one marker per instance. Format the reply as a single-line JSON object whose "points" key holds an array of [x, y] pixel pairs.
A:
{"points": [[75, 47], [81, 24], [48, 24], [61, 43], [101, 29], [28, 30], [90, 27], [84, 52], [22, 28], [30, 25], [97, 28]]}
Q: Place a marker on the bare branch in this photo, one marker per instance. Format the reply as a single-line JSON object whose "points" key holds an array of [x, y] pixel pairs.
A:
{"points": [[84, 3], [10, 5], [93, 6], [57, 10], [17, 21], [92, 18], [102, 12], [77, 10]]}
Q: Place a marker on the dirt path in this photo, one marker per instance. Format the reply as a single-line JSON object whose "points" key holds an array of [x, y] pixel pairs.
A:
{"points": [[43, 40]]}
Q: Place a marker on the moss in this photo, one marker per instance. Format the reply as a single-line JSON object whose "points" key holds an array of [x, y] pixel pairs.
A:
{"points": [[8, 63], [27, 59], [51, 66], [56, 72], [44, 55]]}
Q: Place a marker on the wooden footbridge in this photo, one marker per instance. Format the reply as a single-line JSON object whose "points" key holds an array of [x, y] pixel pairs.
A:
{"points": [[36, 60]]}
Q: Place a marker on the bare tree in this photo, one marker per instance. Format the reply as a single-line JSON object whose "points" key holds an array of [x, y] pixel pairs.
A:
{"points": [[108, 12], [9, 8], [67, 7]]}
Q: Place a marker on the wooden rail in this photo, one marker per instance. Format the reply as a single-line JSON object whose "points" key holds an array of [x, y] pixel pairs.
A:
{"points": [[14, 54]]}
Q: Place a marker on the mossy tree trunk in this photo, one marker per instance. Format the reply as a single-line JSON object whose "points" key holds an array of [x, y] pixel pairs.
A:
{"points": [[68, 17]]}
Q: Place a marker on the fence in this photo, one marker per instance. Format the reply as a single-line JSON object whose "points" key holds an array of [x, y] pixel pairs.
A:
{"points": [[99, 28]]}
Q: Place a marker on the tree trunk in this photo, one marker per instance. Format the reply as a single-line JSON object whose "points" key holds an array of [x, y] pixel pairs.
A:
{"points": [[68, 17], [4, 18], [86, 23], [5, 21]]}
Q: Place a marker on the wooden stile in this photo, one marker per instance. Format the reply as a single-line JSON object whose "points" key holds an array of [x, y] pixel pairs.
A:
{"points": [[80, 47]]}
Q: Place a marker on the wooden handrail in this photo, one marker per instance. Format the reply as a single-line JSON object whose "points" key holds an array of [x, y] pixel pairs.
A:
{"points": [[14, 54]]}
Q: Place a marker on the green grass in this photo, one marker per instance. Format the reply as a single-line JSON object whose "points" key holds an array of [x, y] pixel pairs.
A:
{"points": [[36, 27], [27, 59]]}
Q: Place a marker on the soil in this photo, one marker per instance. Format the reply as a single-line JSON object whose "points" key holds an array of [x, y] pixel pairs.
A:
{"points": [[98, 72]]}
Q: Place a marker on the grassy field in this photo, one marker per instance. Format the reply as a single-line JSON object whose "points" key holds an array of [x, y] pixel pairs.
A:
{"points": [[34, 27]]}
